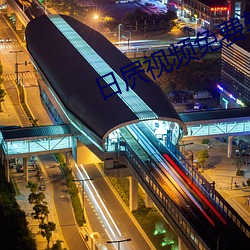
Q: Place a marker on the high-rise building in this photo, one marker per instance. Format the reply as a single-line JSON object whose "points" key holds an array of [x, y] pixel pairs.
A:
{"points": [[235, 73]]}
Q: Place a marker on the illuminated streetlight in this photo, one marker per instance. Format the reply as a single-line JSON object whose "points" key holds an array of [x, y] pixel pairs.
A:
{"points": [[119, 32], [96, 19], [16, 64], [118, 241]]}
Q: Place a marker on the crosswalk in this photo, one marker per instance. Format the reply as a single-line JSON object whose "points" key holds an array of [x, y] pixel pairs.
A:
{"points": [[22, 78], [10, 46]]}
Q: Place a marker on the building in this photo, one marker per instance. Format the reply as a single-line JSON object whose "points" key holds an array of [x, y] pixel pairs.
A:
{"points": [[237, 7], [235, 74], [208, 13]]}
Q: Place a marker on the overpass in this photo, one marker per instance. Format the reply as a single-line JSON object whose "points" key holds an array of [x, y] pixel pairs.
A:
{"points": [[68, 63]]}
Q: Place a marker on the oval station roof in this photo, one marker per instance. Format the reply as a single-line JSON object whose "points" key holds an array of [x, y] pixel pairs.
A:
{"points": [[73, 77]]}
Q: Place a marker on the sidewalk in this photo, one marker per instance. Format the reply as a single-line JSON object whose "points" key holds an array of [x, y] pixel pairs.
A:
{"points": [[22, 200], [220, 169]]}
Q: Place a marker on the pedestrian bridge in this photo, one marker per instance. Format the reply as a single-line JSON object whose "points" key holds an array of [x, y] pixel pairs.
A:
{"points": [[22, 142]]}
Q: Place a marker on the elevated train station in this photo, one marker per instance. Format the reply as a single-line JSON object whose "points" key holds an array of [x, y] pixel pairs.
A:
{"points": [[69, 58]]}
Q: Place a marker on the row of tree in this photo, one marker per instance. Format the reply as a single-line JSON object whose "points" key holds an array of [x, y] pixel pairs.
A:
{"points": [[2, 91], [41, 213]]}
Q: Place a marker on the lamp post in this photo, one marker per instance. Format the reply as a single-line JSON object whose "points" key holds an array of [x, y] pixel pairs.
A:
{"points": [[96, 17], [191, 156], [16, 64], [218, 241], [119, 32], [82, 181], [183, 145], [118, 242]]}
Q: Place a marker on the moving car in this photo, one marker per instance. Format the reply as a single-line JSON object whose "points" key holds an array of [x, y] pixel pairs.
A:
{"points": [[1, 40]]}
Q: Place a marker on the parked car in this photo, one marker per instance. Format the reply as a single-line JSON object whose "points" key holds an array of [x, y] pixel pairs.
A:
{"points": [[8, 40], [197, 105], [1, 40]]}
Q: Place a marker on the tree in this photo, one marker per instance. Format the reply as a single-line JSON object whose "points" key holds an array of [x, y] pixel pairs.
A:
{"points": [[2, 94], [58, 245], [163, 24], [41, 212], [238, 162], [2, 91], [202, 157], [46, 230]]}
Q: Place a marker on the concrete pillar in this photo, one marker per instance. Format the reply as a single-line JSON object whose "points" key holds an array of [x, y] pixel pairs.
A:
{"points": [[2, 158], [148, 201], [74, 148], [133, 193], [19, 25], [181, 244], [67, 159], [7, 170], [9, 11], [108, 164], [25, 168], [229, 146]]}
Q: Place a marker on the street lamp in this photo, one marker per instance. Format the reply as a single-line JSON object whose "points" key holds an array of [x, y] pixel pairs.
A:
{"points": [[96, 17], [16, 64], [183, 145], [218, 241], [191, 156], [83, 180], [117, 241], [119, 32]]}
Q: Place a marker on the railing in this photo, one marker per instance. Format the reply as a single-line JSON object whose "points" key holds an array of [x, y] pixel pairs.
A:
{"points": [[164, 203], [206, 188]]}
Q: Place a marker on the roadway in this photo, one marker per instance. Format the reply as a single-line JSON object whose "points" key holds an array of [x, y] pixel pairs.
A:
{"points": [[107, 215]]}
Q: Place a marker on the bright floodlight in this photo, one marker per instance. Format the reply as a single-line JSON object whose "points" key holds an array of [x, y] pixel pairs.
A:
{"points": [[96, 16]]}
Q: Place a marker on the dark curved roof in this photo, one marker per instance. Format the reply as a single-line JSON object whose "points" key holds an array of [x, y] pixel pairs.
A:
{"points": [[74, 80]]}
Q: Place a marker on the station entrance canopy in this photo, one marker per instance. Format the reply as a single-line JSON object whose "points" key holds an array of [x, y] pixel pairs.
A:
{"points": [[18, 142]]}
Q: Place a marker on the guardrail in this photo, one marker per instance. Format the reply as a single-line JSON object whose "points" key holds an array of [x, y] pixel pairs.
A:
{"points": [[214, 197], [164, 203]]}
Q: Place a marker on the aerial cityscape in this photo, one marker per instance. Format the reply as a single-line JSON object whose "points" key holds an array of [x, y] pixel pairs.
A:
{"points": [[125, 124]]}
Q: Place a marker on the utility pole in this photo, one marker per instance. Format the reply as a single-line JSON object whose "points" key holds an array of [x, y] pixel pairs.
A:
{"points": [[16, 64], [118, 242]]}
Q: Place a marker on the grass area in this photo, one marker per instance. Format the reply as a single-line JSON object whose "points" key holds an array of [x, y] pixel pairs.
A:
{"points": [[205, 141], [150, 219]]}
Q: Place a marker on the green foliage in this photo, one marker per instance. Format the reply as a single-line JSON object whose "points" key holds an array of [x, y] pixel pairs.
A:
{"points": [[238, 162], [202, 156], [47, 230], [15, 232], [73, 190], [248, 182], [33, 186], [41, 212], [240, 172], [57, 245], [205, 141]]}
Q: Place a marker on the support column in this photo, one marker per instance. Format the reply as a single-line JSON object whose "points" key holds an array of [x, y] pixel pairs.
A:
{"points": [[229, 146], [133, 193], [19, 25], [25, 168], [148, 201], [67, 160], [181, 244], [9, 11], [7, 170]]}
